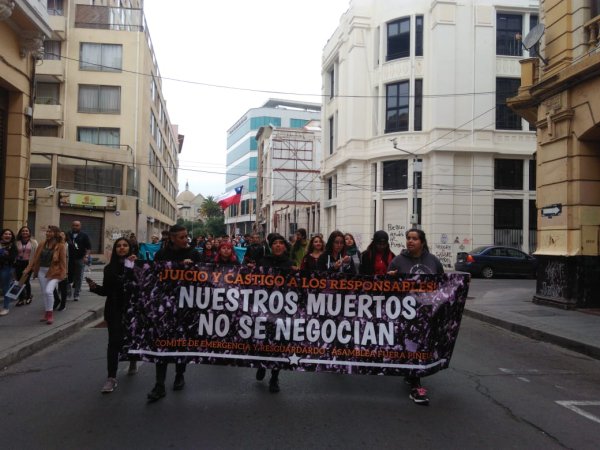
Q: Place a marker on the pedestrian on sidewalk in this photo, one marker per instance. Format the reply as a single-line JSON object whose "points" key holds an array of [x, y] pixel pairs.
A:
{"points": [[26, 247], [8, 255], [80, 249], [113, 288], [62, 290], [49, 265], [416, 259], [176, 249]]}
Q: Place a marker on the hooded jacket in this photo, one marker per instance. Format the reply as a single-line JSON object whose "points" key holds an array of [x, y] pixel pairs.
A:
{"points": [[424, 264]]}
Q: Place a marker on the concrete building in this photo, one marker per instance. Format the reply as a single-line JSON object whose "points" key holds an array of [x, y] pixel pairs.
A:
{"points": [[559, 94], [189, 205], [416, 129], [24, 25], [103, 149], [242, 160], [288, 193]]}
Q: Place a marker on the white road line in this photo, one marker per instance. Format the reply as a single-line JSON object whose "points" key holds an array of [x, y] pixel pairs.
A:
{"points": [[573, 406], [524, 379]]}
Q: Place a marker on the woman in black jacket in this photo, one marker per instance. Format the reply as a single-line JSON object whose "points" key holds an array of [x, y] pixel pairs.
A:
{"points": [[334, 258], [113, 287], [279, 257]]}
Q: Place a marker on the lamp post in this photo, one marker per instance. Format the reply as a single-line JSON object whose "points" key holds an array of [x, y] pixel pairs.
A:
{"points": [[417, 168]]}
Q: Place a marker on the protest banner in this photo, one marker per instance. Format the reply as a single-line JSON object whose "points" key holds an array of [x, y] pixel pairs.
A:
{"points": [[403, 325]]}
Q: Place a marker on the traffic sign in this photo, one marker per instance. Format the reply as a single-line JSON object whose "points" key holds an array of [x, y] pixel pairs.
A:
{"points": [[552, 210]]}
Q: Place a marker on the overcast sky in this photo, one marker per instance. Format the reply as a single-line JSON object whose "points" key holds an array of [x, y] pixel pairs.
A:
{"points": [[267, 45]]}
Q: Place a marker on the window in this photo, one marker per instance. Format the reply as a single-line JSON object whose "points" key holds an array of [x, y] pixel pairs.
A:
{"points": [[40, 171], [532, 215], [508, 214], [595, 8], [331, 135], [55, 7], [92, 176], [532, 172], [418, 125], [395, 175], [47, 93], [298, 123], [396, 110], [509, 27], [331, 75], [46, 130], [331, 188], [99, 136], [99, 99], [419, 36], [101, 57], [132, 182], [506, 118], [398, 39], [508, 174], [51, 50]]}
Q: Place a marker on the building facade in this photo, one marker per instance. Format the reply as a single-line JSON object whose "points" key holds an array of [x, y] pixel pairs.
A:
{"points": [[558, 94], [103, 148], [242, 162], [416, 129], [23, 27], [189, 205], [288, 193]]}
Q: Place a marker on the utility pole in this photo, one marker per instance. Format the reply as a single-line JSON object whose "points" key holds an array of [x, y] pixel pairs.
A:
{"points": [[417, 168]]}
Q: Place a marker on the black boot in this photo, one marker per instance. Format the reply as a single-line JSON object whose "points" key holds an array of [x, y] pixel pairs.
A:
{"points": [[274, 381]]}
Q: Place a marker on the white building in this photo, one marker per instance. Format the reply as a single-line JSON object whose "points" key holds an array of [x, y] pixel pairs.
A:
{"points": [[242, 160], [288, 179], [428, 79]]}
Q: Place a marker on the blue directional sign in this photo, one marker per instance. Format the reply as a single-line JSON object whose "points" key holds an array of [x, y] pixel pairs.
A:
{"points": [[552, 210]]}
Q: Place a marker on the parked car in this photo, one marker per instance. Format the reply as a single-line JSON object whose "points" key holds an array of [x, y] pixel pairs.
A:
{"points": [[491, 260]]}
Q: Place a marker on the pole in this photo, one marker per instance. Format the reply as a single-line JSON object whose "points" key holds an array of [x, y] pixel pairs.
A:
{"points": [[415, 217]]}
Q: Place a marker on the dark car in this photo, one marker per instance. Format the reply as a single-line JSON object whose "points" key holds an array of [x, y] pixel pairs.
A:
{"points": [[491, 260]]}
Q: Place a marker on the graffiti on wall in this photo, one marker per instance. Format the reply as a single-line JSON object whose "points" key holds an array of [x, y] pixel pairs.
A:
{"points": [[445, 254], [397, 237], [555, 280]]}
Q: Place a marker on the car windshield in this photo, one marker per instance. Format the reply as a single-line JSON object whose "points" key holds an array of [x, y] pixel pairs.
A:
{"points": [[478, 250]]}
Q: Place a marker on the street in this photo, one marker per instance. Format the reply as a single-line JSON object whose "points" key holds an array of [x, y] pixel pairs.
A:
{"points": [[502, 390]]}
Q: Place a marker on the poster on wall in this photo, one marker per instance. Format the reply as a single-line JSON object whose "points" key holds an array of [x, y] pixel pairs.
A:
{"points": [[395, 222]]}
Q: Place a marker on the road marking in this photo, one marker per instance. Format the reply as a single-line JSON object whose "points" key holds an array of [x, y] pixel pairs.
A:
{"points": [[573, 406], [502, 369], [524, 379]]}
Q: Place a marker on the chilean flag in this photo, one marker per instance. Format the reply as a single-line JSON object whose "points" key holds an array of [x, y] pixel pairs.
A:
{"points": [[230, 198]]}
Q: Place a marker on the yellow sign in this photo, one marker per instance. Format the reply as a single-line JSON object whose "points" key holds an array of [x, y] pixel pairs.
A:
{"points": [[87, 201]]}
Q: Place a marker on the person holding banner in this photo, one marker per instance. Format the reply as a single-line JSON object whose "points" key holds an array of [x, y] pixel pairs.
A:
{"points": [[226, 255], [278, 258], [378, 255], [255, 251], [8, 255], [334, 258], [316, 246], [177, 249], [113, 288], [416, 259]]}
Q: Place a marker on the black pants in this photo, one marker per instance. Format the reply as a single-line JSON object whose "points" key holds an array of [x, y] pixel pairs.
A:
{"points": [[60, 293], [161, 371], [115, 344]]}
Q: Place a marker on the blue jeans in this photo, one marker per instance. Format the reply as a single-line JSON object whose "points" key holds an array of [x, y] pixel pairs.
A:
{"points": [[6, 277]]}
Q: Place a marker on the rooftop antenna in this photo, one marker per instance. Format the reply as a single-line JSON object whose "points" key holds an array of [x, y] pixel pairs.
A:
{"points": [[531, 42]]}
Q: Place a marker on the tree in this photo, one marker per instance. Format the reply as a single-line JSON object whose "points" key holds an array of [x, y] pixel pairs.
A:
{"points": [[210, 208]]}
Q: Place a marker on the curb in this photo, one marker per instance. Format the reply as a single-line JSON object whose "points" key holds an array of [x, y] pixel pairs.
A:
{"points": [[579, 347], [62, 332]]}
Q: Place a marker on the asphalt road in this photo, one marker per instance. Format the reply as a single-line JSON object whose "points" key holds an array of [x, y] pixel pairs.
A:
{"points": [[501, 391]]}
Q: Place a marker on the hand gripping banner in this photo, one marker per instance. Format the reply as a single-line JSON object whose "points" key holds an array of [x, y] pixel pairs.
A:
{"points": [[238, 316]]}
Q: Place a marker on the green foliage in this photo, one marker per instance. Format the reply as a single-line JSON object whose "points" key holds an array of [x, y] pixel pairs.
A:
{"points": [[210, 208]]}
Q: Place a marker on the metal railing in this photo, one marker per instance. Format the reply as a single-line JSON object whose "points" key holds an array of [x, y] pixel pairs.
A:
{"points": [[592, 31]]}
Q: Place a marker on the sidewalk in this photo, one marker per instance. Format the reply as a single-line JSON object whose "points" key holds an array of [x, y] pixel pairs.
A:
{"points": [[22, 334], [504, 303]]}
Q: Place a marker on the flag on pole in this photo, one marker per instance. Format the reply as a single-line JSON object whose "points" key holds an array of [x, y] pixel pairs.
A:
{"points": [[230, 198]]}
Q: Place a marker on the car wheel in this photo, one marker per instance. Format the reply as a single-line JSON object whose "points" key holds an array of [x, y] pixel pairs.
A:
{"points": [[487, 272]]}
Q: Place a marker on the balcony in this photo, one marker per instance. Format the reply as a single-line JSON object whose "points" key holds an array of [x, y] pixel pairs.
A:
{"points": [[48, 113], [58, 25], [592, 32], [50, 71], [109, 18]]}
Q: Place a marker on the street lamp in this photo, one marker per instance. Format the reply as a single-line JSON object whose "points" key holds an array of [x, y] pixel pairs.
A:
{"points": [[417, 168]]}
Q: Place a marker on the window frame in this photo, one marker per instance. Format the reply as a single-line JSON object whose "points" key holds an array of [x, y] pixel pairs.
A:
{"points": [[397, 47], [394, 175], [507, 43], [99, 90], [399, 124], [506, 118], [508, 174], [102, 65]]}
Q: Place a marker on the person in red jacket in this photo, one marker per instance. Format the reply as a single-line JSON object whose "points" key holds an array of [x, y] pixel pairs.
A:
{"points": [[378, 255]]}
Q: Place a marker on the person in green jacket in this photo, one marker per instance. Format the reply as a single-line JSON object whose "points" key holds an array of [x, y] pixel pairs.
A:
{"points": [[299, 248]]}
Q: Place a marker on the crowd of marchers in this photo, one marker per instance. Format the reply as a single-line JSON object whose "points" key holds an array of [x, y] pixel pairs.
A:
{"points": [[61, 258]]}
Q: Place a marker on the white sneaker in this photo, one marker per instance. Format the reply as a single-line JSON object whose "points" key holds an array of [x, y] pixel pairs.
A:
{"points": [[4, 312], [109, 385]]}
